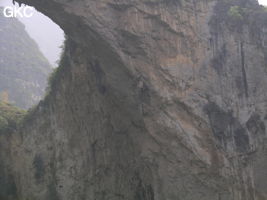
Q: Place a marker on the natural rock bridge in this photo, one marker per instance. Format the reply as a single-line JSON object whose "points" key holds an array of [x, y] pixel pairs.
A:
{"points": [[154, 100]]}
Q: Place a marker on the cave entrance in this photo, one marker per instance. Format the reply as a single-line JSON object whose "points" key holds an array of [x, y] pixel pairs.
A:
{"points": [[30, 48]]}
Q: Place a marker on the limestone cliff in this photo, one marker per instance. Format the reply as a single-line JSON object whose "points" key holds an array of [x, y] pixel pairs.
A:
{"points": [[154, 100]]}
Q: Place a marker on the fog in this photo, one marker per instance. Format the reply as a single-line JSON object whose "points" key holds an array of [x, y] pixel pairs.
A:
{"points": [[44, 31], [263, 2]]}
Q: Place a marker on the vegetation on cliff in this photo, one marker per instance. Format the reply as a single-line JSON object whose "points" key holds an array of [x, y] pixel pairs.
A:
{"points": [[55, 73], [239, 17], [238, 13], [10, 117]]}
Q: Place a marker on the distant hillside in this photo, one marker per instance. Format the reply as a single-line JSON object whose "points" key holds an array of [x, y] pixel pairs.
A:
{"points": [[23, 68]]}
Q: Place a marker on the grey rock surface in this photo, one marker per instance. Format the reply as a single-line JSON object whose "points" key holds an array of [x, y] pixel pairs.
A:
{"points": [[155, 100]]}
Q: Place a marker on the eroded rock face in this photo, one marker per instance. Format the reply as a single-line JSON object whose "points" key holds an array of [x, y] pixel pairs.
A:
{"points": [[156, 100]]}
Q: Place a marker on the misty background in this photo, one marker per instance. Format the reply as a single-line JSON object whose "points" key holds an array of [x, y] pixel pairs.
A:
{"points": [[48, 35], [263, 2]]}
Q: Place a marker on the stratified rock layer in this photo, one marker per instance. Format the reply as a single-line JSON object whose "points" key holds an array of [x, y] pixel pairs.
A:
{"points": [[156, 100]]}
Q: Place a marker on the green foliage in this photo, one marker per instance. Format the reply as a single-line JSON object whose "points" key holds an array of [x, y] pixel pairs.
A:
{"points": [[54, 74], [51, 79], [3, 123], [10, 117], [235, 12]]}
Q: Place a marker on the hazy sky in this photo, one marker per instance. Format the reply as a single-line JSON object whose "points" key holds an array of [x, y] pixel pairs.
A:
{"points": [[263, 2], [45, 32]]}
